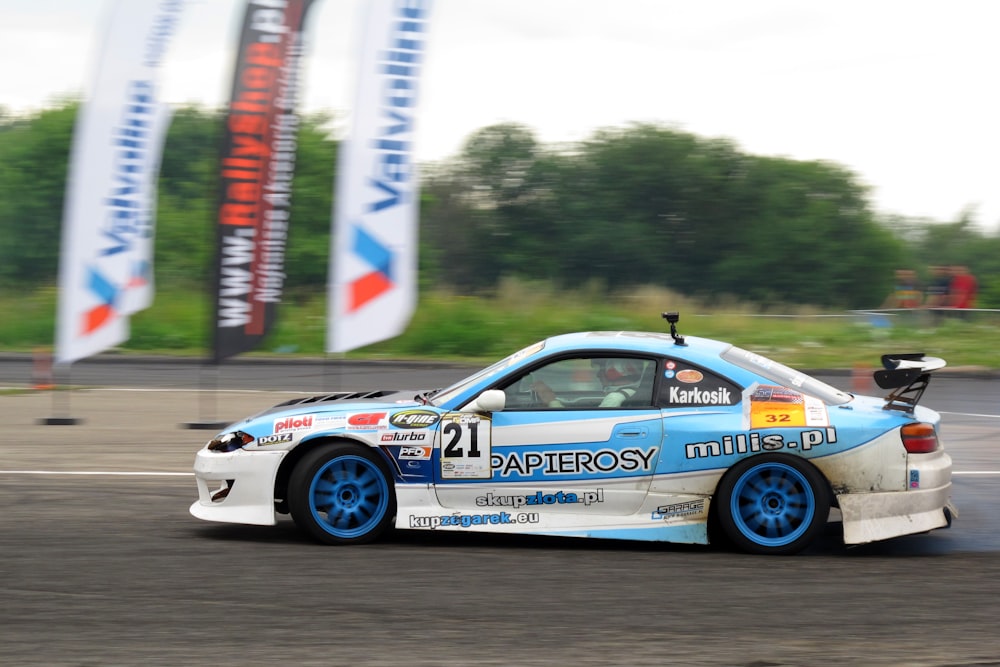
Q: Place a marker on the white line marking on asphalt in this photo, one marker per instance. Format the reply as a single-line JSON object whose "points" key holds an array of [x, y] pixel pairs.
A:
{"points": [[176, 390], [191, 474], [96, 472], [970, 414]]}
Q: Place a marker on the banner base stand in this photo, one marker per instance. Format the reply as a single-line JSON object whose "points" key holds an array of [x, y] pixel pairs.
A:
{"points": [[61, 393], [59, 421], [207, 397], [204, 426]]}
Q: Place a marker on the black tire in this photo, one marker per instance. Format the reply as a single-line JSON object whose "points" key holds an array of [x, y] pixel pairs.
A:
{"points": [[772, 504], [342, 494]]}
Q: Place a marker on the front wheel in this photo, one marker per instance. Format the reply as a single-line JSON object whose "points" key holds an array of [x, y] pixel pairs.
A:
{"points": [[341, 494], [773, 504]]}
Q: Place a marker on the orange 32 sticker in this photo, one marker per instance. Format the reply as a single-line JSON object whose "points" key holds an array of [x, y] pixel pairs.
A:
{"points": [[781, 407]]}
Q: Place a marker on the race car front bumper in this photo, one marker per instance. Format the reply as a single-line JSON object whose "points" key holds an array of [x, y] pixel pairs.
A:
{"points": [[236, 487]]}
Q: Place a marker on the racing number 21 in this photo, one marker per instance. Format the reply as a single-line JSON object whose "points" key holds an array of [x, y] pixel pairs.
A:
{"points": [[465, 447], [457, 434]]}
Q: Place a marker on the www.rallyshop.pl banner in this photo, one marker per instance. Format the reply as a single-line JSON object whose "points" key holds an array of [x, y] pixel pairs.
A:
{"points": [[105, 269], [373, 270], [256, 168]]}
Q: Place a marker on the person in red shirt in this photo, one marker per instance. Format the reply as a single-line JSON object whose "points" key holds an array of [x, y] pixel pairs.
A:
{"points": [[962, 288]]}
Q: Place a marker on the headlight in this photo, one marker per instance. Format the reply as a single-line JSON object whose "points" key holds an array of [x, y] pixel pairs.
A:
{"points": [[230, 442]]}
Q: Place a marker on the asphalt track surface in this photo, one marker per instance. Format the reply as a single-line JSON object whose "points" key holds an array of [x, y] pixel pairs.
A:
{"points": [[102, 565]]}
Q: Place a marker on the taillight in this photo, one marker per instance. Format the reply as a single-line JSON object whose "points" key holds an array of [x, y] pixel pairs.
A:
{"points": [[919, 438]]}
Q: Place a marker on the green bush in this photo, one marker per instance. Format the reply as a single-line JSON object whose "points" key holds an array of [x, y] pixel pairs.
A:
{"points": [[483, 328]]}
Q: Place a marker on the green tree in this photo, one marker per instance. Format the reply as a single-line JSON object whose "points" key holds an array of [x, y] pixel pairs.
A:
{"points": [[308, 251], [473, 205], [34, 158], [643, 204]]}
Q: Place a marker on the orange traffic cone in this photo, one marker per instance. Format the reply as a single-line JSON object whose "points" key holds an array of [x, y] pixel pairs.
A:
{"points": [[861, 379], [41, 374]]}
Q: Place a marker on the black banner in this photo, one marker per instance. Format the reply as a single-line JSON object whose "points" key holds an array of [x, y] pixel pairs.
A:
{"points": [[256, 166]]}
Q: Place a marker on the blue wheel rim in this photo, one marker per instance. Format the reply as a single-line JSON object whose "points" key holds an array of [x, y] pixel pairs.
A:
{"points": [[349, 496], [772, 504]]}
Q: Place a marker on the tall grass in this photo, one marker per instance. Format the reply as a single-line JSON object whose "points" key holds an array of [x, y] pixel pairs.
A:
{"points": [[447, 326]]}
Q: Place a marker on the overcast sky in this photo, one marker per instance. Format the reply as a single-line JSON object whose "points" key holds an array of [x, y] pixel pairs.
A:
{"points": [[902, 92]]}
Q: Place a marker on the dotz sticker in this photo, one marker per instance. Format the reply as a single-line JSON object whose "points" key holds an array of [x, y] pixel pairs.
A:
{"points": [[275, 439]]}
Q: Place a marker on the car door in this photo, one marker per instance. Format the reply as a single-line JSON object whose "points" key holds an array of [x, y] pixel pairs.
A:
{"points": [[570, 457], [704, 426]]}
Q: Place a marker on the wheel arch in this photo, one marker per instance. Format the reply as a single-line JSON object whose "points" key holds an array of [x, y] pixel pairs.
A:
{"points": [[297, 453], [715, 533], [729, 472]]}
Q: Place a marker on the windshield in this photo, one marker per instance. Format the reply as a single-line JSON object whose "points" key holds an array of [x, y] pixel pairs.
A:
{"points": [[445, 395], [785, 376]]}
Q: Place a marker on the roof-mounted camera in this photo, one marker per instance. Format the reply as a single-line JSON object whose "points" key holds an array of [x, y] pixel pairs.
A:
{"points": [[673, 318]]}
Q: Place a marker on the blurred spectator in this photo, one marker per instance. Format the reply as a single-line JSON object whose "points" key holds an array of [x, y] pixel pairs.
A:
{"points": [[937, 289], [962, 288], [906, 293]]}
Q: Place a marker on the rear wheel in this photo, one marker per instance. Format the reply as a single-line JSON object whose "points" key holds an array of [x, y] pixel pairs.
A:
{"points": [[773, 504], [341, 494]]}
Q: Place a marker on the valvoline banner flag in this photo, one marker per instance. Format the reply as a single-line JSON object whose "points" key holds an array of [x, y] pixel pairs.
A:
{"points": [[105, 264], [373, 257], [255, 169], [139, 288]]}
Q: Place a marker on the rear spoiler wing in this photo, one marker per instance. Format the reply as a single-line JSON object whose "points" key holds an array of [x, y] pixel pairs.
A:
{"points": [[908, 376]]}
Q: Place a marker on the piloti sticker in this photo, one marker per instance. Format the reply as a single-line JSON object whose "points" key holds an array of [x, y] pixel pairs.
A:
{"points": [[771, 406]]}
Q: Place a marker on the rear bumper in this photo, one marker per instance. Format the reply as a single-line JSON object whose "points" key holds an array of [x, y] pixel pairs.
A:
{"points": [[249, 477], [924, 506]]}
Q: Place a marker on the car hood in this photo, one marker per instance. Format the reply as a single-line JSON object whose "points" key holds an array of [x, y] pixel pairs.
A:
{"points": [[343, 400]]}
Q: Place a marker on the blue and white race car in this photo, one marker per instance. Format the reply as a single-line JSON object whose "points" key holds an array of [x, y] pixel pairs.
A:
{"points": [[619, 435]]}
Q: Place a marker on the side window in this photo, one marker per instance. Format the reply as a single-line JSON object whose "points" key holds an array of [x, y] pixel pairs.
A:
{"points": [[683, 385], [584, 383]]}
